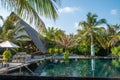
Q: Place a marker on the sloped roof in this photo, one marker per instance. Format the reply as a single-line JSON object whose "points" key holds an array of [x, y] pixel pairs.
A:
{"points": [[31, 32]]}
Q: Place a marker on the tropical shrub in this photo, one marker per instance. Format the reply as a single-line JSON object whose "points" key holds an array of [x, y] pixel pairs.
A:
{"points": [[116, 50], [61, 50], [84, 48], [56, 50], [50, 51], [66, 56], [6, 55]]}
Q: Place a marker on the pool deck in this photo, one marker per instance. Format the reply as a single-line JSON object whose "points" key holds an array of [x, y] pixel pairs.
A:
{"points": [[12, 66]]}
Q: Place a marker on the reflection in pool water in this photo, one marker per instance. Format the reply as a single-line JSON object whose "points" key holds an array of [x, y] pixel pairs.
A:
{"points": [[77, 68], [81, 68]]}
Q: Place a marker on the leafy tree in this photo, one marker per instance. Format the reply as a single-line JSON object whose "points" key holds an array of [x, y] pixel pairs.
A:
{"points": [[66, 41], [90, 28]]}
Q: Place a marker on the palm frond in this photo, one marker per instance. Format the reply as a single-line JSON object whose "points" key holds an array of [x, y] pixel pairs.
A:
{"points": [[103, 41], [30, 9], [114, 40], [1, 18]]}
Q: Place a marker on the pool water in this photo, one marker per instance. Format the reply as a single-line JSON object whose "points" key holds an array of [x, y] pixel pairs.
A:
{"points": [[81, 68]]}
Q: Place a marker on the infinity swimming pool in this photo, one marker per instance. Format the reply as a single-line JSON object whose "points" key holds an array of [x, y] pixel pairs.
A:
{"points": [[78, 68], [81, 68]]}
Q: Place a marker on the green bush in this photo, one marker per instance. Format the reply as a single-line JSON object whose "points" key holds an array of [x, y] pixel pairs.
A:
{"points": [[56, 50], [66, 56], [6, 55], [61, 50], [50, 51], [116, 50]]}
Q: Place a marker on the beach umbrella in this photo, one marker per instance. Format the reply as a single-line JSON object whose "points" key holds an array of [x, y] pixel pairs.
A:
{"points": [[8, 44]]}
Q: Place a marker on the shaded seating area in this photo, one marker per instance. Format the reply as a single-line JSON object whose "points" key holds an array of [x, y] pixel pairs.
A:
{"points": [[21, 57]]}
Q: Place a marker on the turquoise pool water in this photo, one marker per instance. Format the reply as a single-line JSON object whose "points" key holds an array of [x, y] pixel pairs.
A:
{"points": [[81, 68]]}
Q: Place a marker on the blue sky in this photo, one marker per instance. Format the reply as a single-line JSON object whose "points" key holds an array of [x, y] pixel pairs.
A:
{"points": [[73, 11]]}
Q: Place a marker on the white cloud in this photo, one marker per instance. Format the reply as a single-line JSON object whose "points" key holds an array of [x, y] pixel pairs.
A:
{"points": [[68, 9], [113, 12]]}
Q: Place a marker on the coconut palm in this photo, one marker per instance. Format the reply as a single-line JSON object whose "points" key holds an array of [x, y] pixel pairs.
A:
{"points": [[91, 28], [104, 39], [109, 37], [53, 33], [114, 31], [33, 9], [50, 33]]}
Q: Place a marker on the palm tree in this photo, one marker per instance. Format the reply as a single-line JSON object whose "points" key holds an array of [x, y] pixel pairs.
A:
{"points": [[53, 33], [33, 9], [90, 27], [114, 32], [109, 37]]}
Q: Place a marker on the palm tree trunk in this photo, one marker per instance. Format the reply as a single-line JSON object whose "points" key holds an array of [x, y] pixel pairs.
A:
{"points": [[92, 46]]}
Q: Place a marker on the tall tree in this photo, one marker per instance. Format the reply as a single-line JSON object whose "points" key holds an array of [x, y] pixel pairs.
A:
{"points": [[109, 37], [114, 32], [90, 27], [33, 9]]}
